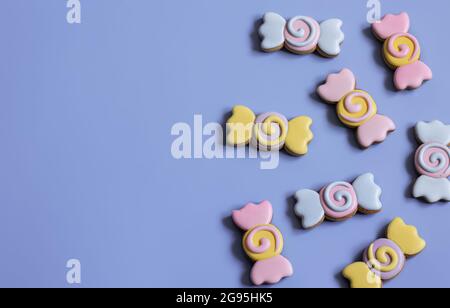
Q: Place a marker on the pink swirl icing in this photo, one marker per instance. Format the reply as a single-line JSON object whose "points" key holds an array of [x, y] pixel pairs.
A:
{"points": [[264, 243], [302, 33], [339, 200], [433, 160], [355, 108], [403, 50]]}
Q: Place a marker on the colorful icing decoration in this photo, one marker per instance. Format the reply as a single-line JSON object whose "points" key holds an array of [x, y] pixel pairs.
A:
{"points": [[402, 51], [432, 161], [356, 108], [338, 201], [301, 35], [385, 258], [263, 243], [269, 131]]}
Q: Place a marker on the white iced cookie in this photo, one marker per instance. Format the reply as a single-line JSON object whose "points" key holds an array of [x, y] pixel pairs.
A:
{"points": [[435, 131], [301, 35], [368, 193], [272, 32], [432, 161], [338, 201], [309, 208], [331, 37], [431, 189]]}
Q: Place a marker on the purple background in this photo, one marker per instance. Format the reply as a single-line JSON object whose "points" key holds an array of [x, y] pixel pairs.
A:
{"points": [[85, 161]]}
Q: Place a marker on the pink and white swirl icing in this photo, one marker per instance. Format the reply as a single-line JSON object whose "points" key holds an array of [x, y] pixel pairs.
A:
{"points": [[385, 258], [339, 200], [302, 33], [433, 160]]}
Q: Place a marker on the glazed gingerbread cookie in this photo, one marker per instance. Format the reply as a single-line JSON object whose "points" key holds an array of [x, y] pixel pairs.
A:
{"points": [[402, 51], [301, 35], [432, 161], [385, 258], [263, 243], [270, 131], [356, 108], [338, 201]]}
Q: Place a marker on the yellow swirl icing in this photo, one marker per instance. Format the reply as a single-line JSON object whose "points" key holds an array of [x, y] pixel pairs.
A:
{"points": [[382, 258], [270, 127], [273, 237], [360, 100], [399, 43]]}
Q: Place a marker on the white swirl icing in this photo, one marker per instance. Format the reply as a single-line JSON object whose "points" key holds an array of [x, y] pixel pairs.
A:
{"points": [[300, 33]]}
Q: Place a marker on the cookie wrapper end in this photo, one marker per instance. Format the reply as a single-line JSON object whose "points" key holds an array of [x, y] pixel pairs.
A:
{"points": [[390, 25], [253, 215], [337, 86], [375, 130], [406, 237], [412, 76], [271, 271], [361, 277], [432, 189], [368, 193]]}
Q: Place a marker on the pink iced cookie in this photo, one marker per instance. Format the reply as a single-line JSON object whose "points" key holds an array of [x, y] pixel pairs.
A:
{"points": [[271, 270], [252, 215], [263, 243], [390, 25], [356, 108], [412, 76], [337, 86], [375, 131], [402, 52]]}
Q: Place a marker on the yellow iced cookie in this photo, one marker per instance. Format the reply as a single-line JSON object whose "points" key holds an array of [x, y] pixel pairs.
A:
{"points": [[361, 277], [240, 126], [401, 49], [357, 108], [263, 242], [406, 237], [299, 136]]}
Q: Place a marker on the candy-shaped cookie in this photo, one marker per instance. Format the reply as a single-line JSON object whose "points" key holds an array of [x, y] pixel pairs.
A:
{"points": [[432, 161], [269, 131], [385, 258], [356, 108], [263, 243], [338, 201], [301, 35], [402, 51]]}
